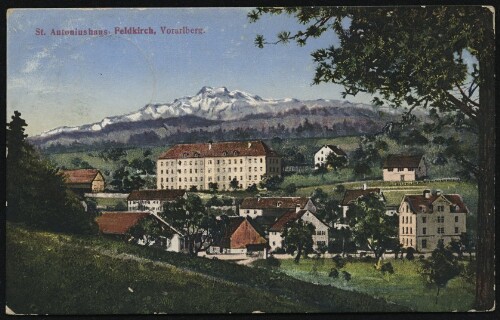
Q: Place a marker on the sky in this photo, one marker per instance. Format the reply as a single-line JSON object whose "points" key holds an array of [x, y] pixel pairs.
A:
{"points": [[73, 80]]}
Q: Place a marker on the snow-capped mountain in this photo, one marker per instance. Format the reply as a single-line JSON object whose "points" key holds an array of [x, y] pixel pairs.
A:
{"points": [[209, 103]]}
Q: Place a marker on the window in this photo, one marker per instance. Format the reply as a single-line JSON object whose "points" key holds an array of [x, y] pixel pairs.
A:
{"points": [[218, 161], [456, 219], [229, 161], [440, 230], [440, 219], [440, 208], [411, 169], [260, 160], [424, 230], [400, 169], [411, 230], [424, 244], [390, 169], [456, 229], [424, 219]]}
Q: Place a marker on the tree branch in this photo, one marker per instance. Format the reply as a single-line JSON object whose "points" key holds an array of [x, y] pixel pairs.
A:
{"points": [[465, 97], [462, 106]]}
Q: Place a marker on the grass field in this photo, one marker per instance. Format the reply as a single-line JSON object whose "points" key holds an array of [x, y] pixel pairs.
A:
{"points": [[404, 287], [51, 273]]}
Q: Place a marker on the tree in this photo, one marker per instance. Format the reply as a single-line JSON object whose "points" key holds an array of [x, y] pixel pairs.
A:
{"points": [[297, 237], [290, 189], [190, 216], [383, 52], [440, 268], [213, 186], [336, 162], [370, 225], [252, 188], [234, 184], [150, 230], [271, 183]]}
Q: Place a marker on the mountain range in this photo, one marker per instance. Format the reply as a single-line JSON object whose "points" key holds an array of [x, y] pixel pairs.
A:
{"points": [[214, 110]]}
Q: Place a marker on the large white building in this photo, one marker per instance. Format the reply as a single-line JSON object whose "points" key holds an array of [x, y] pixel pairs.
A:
{"points": [[425, 219], [197, 165]]}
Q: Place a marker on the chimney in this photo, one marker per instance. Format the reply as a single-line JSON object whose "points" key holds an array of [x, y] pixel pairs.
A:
{"points": [[427, 193], [438, 192], [364, 186], [297, 208], [210, 145], [249, 145]]}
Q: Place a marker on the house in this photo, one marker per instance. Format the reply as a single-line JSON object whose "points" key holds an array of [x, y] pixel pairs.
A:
{"points": [[241, 233], [120, 223], [424, 219], [321, 155], [200, 164], [273, 206], [84, 180], [404, 167], [152, 200], [320, 237]]}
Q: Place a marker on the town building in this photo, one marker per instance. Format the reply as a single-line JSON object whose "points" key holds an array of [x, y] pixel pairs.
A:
{"points": [[240, 234], [351, 195], [185, 166], [425, 219], [119, 224], [404, 167], [84, 180], [320, 236], [273, 206], [152, 200], [321, 155]]}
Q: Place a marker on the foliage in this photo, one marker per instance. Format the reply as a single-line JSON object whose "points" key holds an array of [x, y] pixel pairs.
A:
{"points": [[234, 184], [290, 189], [370, 225], [387, 268], [271, 183], [338, 262], [200, 229], [334, 273], [335, 162], [270, 262], [410, 254], [149, 230], [36, 191], [297, 237], [346, 275], [120, 206], [440, 268], [213, 186], [252, 188]]}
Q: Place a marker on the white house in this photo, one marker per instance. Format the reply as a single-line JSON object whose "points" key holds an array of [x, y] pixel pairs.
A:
{"points": [[427, 218], [274, 206], [321, 155], [152, 200], [320, 237], [404, 167]]}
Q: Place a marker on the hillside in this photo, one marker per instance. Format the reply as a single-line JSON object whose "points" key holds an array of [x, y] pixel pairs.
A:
{"points": [[60, 274]]}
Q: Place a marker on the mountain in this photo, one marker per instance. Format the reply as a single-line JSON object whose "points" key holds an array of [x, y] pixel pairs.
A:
{"points": [[211, 109]]}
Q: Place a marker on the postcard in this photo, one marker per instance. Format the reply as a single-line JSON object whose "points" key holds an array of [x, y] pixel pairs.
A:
{"points": [[250, 160]]}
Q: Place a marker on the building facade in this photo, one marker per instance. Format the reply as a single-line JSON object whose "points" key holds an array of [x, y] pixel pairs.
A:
{"points": [[321, 155], [199, 165], [152, 200], [240, 233], [84, 180], [273, 206], [404, 167], [427, 218]]}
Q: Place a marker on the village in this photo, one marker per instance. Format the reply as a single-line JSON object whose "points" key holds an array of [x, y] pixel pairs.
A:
{"points": [[255, 225]]}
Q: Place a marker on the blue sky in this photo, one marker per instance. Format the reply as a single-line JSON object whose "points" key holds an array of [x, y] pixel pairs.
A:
{"points": [[72, 80]]}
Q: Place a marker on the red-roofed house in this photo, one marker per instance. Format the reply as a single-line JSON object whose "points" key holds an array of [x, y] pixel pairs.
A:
{"points": [[84, 180], [239, 234], [321, 155], [424, 219], [404, 167], [120, 223], [320, 238], [152, 200], [199, 164]]}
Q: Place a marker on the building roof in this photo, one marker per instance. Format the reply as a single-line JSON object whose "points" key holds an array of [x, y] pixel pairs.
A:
{"points": [[119, 222], [164, 195], [288, 216], [418, 200], [80, 175], [273, 202], [353, 194], [218, 149], [336, 149], [402, 161]]}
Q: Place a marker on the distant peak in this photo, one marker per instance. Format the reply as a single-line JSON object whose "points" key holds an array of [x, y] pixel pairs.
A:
{"points": [[207, 89]]}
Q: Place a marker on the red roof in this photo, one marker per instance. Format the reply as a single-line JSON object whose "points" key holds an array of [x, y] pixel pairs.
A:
{"points": [[418, 200], [336, 150], [165, 195], [402, 161], [119, 222], [352, 195], [218, 149], [274, 202], [291, 215], [80, 175]]}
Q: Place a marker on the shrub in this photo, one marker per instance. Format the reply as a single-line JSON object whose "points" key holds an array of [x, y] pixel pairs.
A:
{"points": [[338, 261], [346, 275], [410, 254], [273, 262], [280, 251], [387, 267], [334, 273], [421, 257], [368, 259]]}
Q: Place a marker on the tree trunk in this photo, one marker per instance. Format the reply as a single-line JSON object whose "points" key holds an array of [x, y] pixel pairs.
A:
{"points": [[437, 294], [299, 253], [485, 249]]}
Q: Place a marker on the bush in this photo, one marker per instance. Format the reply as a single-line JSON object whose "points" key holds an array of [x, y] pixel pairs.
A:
{"points": [[280, 251], [346, 275], [421, 257], [367, 259], [410, 254], [338, 261], [387, 267], [270, 262], [334, 273]]}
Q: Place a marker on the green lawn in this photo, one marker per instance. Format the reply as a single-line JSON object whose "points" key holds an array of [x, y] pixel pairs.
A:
{"points": [[51, 273], [404, 287]]}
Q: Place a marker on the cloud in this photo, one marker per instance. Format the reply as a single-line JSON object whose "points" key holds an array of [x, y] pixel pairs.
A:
{"points": [[33, 64]]}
